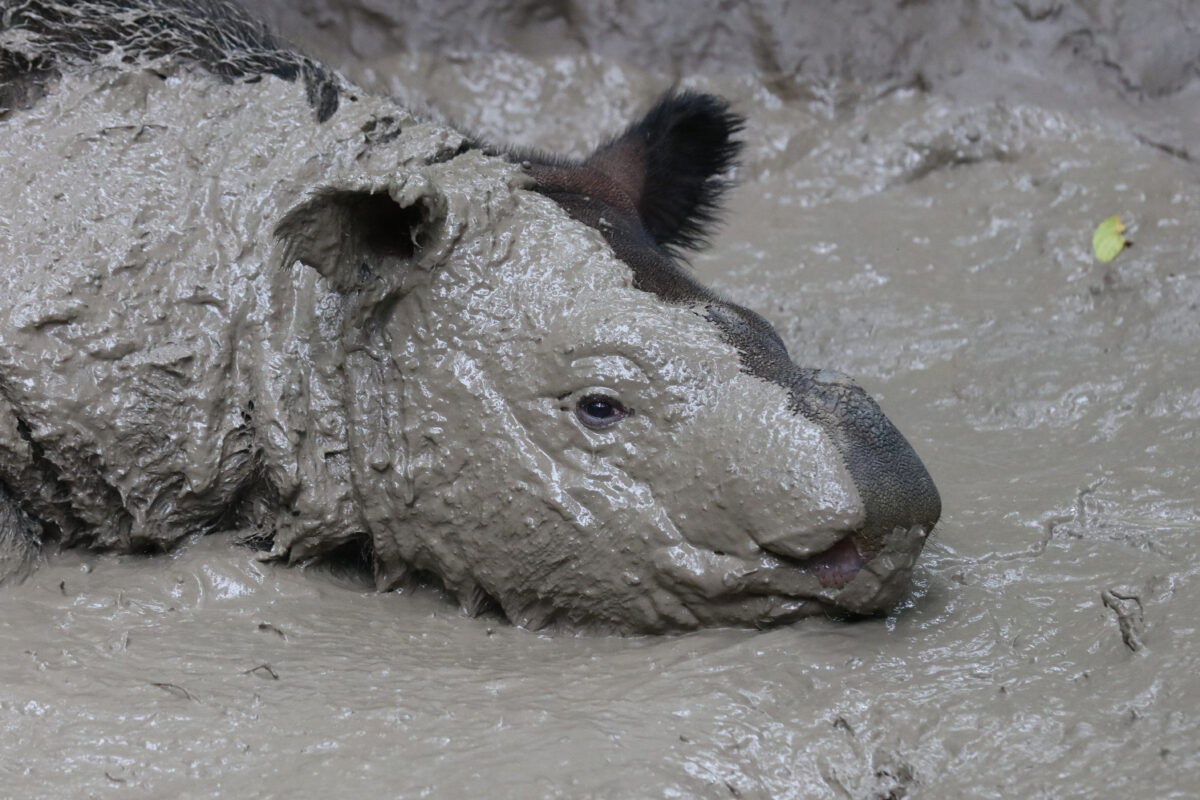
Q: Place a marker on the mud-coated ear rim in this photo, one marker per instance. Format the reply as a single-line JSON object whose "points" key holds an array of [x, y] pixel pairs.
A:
{"points": [[354, 237]]}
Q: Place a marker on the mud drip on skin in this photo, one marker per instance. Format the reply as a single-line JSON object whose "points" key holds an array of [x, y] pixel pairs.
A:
{"points": [[932, 245]]}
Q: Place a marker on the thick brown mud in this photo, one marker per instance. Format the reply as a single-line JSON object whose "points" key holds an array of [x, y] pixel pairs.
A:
{"points": [[916, 208]]}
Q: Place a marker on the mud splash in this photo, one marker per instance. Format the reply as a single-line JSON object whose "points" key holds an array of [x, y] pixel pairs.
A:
{"points": [[930, 237]]}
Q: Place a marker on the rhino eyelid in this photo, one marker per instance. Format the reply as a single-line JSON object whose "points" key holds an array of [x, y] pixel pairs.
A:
{"points": [[597, 411]]}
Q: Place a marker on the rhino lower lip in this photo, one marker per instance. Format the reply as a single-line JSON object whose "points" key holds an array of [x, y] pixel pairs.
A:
{"points": [[832, 568], [836, 566], [820, 575]]}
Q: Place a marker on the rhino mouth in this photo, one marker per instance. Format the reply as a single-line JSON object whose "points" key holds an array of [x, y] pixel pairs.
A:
{"points": [[854, 575], [836, 566], [851, 576]]}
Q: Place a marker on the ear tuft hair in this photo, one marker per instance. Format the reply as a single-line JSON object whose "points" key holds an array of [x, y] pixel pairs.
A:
{"points": [[672, 163]]}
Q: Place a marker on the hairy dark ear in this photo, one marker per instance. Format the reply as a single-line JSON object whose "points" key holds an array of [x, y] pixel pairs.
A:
{"points": [[667, 169], [20, 540], [672, 162]]}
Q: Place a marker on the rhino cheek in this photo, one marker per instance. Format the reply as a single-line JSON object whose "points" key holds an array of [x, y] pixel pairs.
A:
{"points": [[551, 544], [594, 558]]}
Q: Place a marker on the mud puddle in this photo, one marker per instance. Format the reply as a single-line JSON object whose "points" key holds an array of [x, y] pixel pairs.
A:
{"points": [[930, 238]]}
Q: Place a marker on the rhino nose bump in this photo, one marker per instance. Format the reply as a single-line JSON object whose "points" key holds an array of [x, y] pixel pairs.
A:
{"points": [[833, 377], [897, 491], [895, 488]]}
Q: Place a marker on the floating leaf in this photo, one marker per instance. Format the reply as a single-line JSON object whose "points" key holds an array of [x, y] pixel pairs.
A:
{"points": [[1107, 241]]}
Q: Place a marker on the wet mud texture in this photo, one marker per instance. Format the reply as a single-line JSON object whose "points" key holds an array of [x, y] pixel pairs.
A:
{"points": [[916, 209]]}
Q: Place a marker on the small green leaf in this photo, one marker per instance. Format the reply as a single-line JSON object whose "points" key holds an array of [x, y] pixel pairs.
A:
{"points": [[1107, 241]]}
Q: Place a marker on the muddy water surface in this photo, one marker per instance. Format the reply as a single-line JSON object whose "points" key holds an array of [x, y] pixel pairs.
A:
{"points": [[920, 218]]}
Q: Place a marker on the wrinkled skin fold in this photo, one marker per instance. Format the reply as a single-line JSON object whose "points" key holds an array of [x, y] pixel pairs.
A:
{"points": [[248, 298]]}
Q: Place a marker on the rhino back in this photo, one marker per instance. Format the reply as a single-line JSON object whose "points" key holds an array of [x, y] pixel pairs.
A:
{"points": [[38, 40], [151, 379], [132, 290]]}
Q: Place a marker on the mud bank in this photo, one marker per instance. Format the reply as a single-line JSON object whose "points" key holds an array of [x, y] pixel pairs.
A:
{"points": [[917, 213]]}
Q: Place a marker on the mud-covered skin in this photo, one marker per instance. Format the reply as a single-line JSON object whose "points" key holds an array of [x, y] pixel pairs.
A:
{"points": [[41, 38], [233, 311]]}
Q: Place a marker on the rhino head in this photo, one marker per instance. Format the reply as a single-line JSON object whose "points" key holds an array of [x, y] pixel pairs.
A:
{"points": [[570, 427], [335, 325], [352, 327]]}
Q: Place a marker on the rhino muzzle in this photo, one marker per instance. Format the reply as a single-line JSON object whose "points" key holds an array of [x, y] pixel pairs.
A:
{"points": [[868, 568], [896, 489]]}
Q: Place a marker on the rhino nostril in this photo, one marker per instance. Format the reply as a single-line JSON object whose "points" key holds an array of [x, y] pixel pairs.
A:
{"points": [[832, 377]]}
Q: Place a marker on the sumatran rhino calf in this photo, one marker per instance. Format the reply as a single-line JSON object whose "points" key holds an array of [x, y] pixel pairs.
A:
{"points": [[239, 295]]}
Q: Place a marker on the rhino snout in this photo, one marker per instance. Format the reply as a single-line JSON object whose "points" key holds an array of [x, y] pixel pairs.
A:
{"points": [[868, 563], [894, 486]]}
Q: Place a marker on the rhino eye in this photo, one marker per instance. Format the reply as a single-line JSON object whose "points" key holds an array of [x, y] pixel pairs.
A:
{"points": [[599, 411]]}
